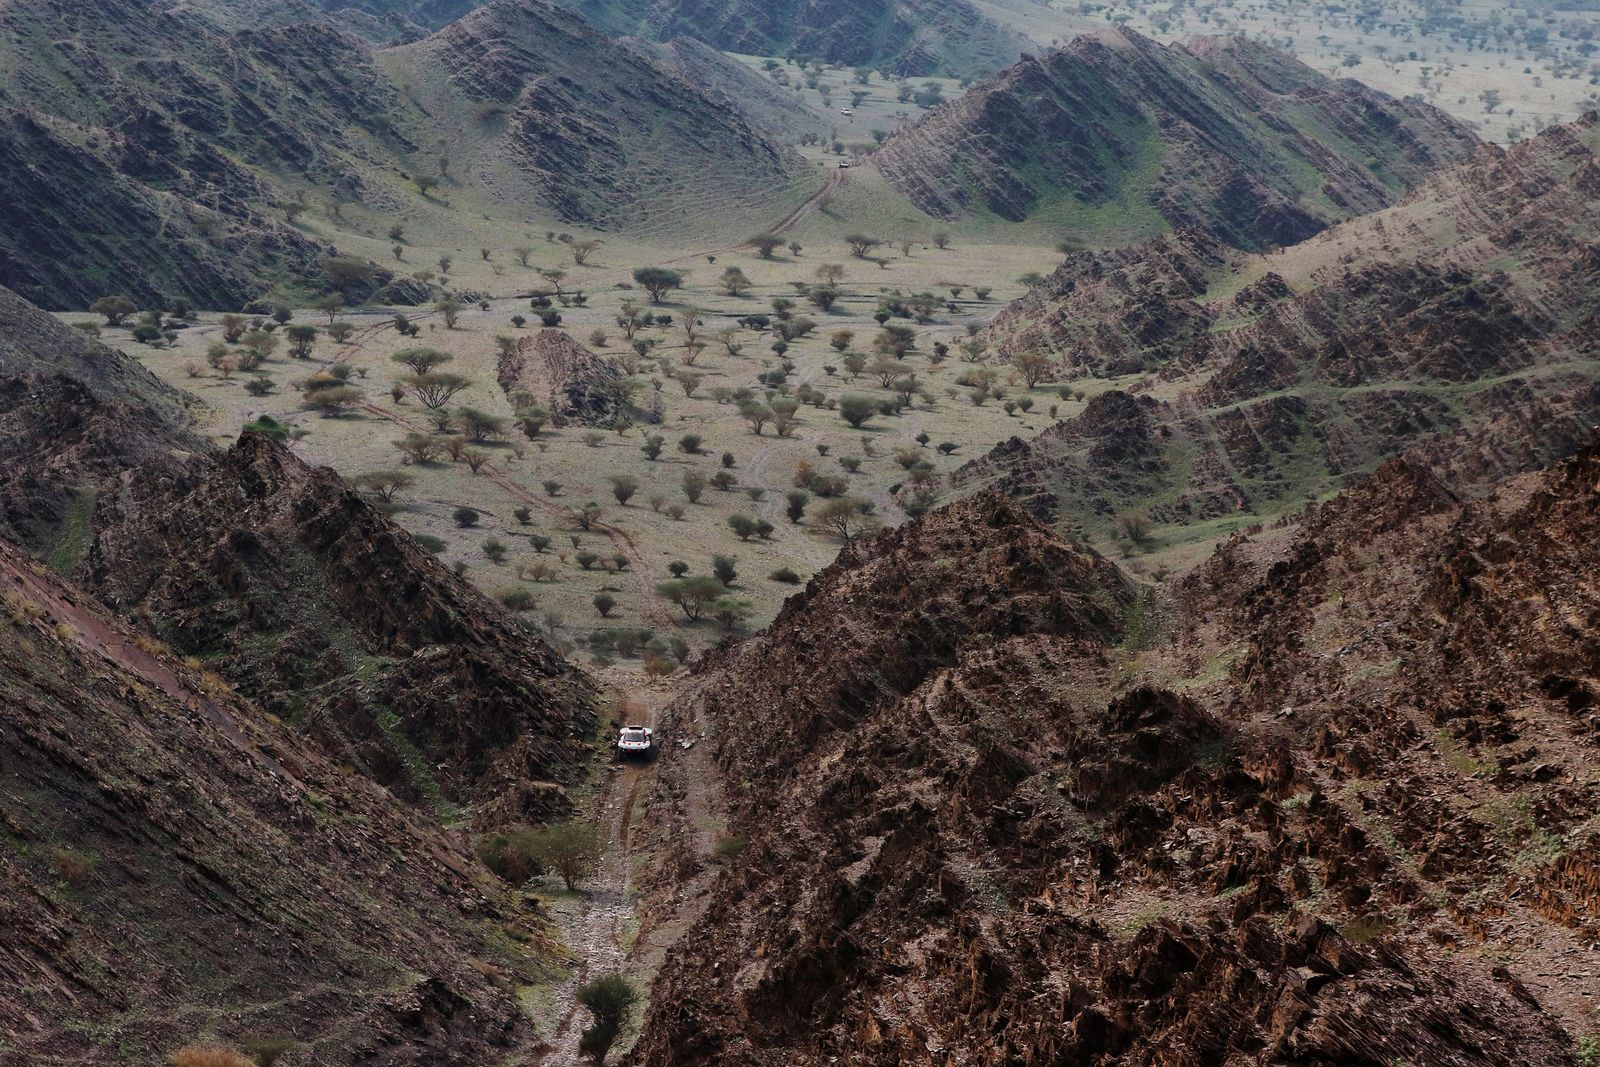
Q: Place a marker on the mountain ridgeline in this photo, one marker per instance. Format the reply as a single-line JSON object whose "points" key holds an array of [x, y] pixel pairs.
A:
{"points": [[1115, 137], [121, 130], [1468, 311]]}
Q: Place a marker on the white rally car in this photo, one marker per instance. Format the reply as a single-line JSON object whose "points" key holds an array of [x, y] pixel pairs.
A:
{"points": [[636, 741]]}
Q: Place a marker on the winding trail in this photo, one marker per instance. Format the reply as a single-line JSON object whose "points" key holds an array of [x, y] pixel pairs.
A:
{"points": [[597, 932]]}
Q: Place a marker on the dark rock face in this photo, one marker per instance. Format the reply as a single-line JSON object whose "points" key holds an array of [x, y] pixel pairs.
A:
{"points": [[170, 848], [76, 227], [134, 166], [912, 38], [1253, 840], [73, 414], [1221, 136], [599, 132], [321, 610], [1390, 337]]}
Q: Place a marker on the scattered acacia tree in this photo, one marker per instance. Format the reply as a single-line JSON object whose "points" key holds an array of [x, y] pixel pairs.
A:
{"points": [[734, 282], [603, 603], [694, 485], [385, 485], [436, 388], [301, 340], [421, 360], [847, 516], [797, 500], [450, 310], [856, 409], [1032, 366], [609, 999], [730, 612], [114, 308], [330, 304], [571, 849], [466, 517], [860, 244], [419, 447], [766, 244], [657, 281], [1136, 527], [692, 595], [330, 398], [623, 486]]}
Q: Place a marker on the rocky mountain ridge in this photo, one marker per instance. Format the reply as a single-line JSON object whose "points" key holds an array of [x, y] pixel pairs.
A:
{"points": [[283, 581], [1467, 309], [113, 140], [1114, 137], [1291, 793], [180, 867]]}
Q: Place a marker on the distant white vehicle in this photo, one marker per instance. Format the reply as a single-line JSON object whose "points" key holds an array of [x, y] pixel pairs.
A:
{"points": [[844, 164], [636, 741], [846, 111]]}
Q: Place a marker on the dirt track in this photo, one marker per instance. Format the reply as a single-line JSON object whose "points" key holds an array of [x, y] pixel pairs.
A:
{"points": [[596, 933]]}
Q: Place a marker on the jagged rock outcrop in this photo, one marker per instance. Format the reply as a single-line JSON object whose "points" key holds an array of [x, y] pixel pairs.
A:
{"points": [[73, 414], [1224, 136], [180, 867], [572, 383], [594, 130], [281, 579], [320, 609], [120, 130], [1249, 819], [1465, 313]]}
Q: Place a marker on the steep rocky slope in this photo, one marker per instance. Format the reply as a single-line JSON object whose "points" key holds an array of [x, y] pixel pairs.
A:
{"points": [[378, 21], [135, 165], [316, 606], [1328, 801], [155, 153], [780, 113], [73, 414], [595, 131], [910, 38], [180, 867], [1115, 136], [1469, 308], [282, 580]]}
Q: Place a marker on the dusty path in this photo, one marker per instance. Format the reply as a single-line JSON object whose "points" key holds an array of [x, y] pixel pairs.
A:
{"points": [[597, 931]]}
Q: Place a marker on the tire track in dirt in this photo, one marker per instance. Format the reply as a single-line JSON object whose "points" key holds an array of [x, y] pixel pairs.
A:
{"points": [[596, 933]]}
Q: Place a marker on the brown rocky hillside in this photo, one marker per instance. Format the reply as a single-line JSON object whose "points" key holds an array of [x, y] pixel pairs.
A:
{"points": [[320, 609], [1115, 136], [1329, 800], [1468, 309], [593, 130], [119, 128], [282, 580], [180, 867]]}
